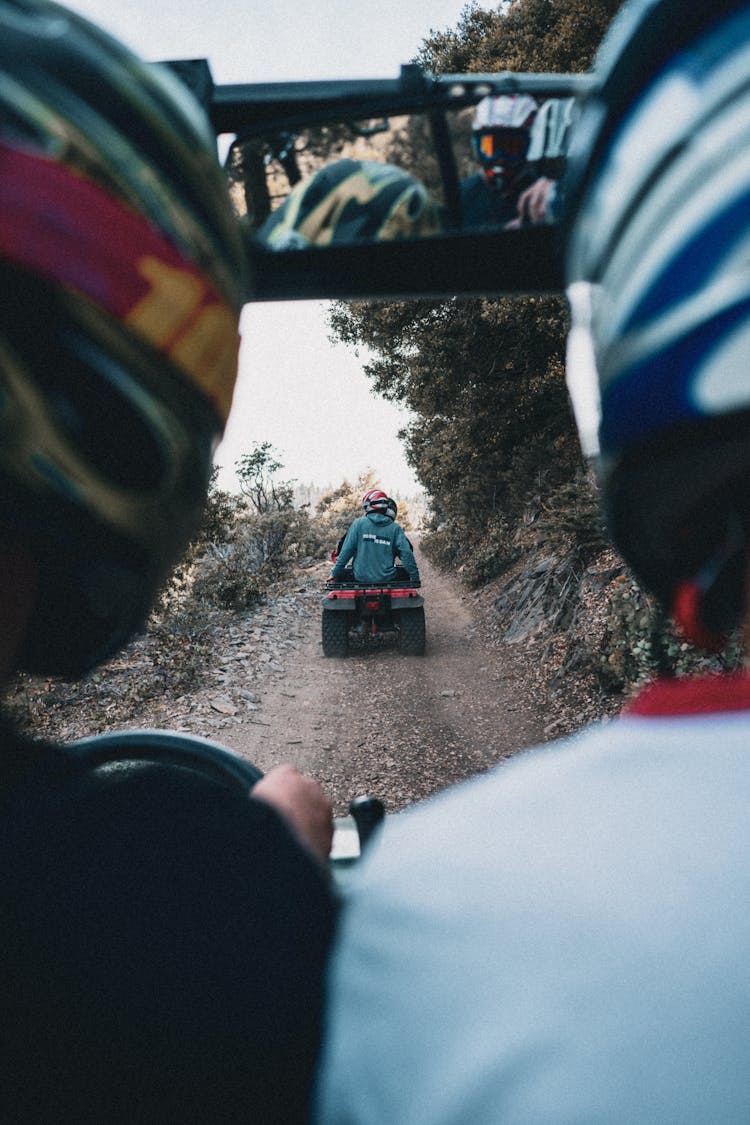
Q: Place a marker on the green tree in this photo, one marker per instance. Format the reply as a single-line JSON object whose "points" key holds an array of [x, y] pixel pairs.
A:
{"points": [[484, 382], [530, 35], [256, 472]]}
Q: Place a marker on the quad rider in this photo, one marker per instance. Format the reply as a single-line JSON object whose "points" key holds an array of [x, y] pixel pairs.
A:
{"points": [[500, 141], [373, 543], [164, 933], [541, 202]]}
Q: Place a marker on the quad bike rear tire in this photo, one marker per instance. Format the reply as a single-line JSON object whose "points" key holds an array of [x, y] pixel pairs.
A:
{"points": [[335, 630], [412, 633]]}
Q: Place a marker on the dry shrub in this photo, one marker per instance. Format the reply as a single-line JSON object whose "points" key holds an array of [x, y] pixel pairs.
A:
{"points": [[641, 642]]}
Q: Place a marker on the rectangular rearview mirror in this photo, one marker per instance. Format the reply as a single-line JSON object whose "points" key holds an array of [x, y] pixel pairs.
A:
{"points": [[393, 188]]}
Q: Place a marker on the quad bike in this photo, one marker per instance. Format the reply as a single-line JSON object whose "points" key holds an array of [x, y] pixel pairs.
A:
{"points": [[351, 610]]}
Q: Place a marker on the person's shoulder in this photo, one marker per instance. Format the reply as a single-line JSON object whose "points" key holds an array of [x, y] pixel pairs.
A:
{"points": [[471, 183]]}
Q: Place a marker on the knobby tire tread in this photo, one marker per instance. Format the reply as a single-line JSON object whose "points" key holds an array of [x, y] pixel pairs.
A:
{"points": [[412, 633], [335, 631]]}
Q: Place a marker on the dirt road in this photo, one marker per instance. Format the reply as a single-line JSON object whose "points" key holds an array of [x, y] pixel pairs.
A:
{"points": [[379, 722]]}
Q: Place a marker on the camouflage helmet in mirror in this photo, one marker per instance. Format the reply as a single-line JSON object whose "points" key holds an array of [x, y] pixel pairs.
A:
{"points": [[352, 201]]}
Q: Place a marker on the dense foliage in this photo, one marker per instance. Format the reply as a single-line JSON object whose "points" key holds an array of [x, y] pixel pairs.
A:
{"points": [[531, 35], [484, 380]]}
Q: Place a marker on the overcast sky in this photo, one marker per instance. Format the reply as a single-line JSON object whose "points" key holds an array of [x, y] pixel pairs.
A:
{"points": [[296, 390]]}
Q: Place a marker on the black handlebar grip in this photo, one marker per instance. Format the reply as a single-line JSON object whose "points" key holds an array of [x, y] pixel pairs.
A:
{"points": [[367, 813]]}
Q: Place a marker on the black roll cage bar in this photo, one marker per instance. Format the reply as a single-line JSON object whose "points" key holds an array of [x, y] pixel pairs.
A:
{"points": [[492, 262]]}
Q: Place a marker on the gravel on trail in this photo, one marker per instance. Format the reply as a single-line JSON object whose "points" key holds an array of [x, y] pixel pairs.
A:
{"points": [[397, 727]]}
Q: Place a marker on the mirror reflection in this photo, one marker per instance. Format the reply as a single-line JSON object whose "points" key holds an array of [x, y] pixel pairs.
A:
{"points": [[492, 165]]}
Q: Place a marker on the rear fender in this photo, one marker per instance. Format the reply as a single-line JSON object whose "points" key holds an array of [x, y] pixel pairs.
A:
{"points": [[411, 601], [393, 598], [345, 600]]}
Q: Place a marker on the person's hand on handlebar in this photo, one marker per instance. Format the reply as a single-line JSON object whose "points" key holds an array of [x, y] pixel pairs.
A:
{"points": [[534, 204], [302, 803]]}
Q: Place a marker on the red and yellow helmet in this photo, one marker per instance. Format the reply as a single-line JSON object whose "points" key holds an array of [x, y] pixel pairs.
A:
{"points": [[122, 276]]}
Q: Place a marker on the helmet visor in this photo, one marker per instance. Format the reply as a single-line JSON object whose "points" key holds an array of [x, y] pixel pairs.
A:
{"points": [[502, 145]]}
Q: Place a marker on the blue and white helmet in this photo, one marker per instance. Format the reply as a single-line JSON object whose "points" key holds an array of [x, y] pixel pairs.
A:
{"points": [[658, 262]]}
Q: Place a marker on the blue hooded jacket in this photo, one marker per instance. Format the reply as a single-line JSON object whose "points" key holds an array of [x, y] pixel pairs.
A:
{"points": [[374, 541]]}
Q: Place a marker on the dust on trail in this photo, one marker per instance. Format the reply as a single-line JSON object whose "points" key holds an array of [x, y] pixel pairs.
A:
{"points": [[394, 726]]}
